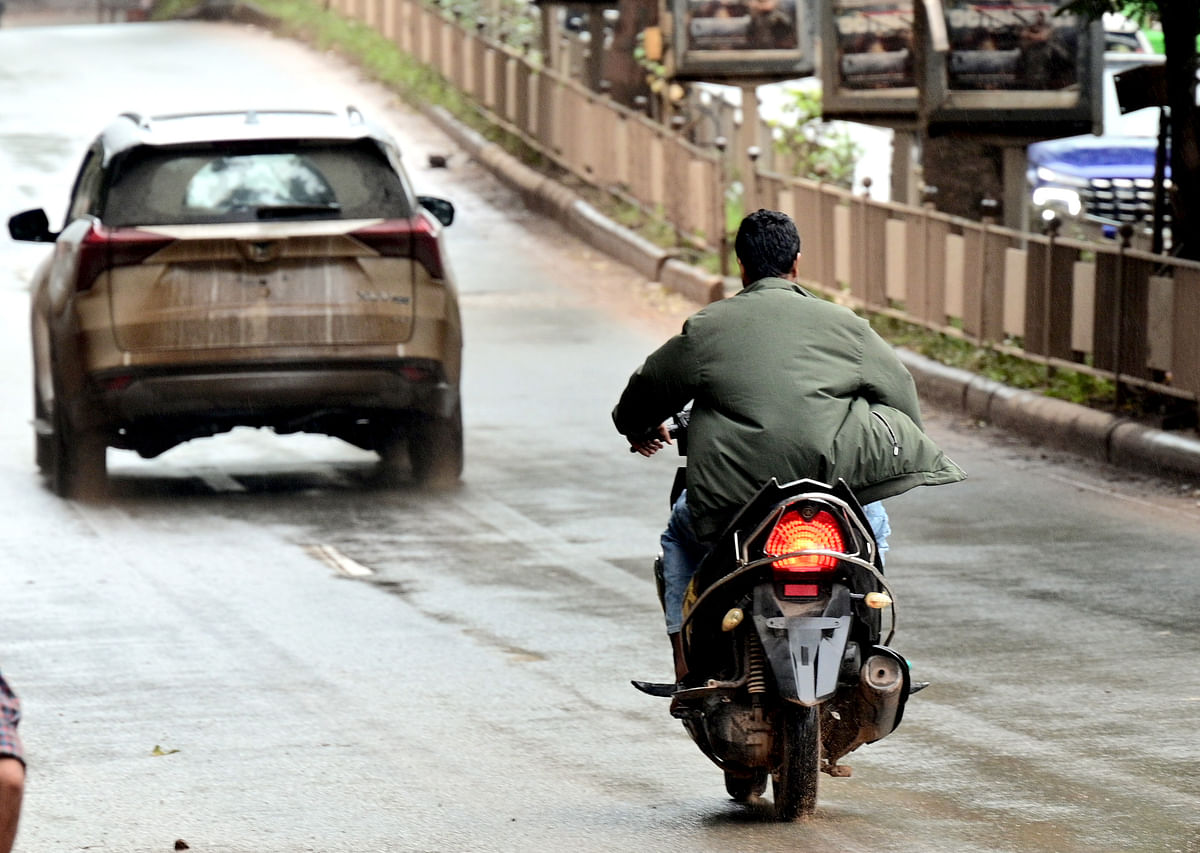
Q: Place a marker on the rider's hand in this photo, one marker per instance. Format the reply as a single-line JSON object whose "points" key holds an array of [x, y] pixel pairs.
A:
{"points": [[649, 445]]}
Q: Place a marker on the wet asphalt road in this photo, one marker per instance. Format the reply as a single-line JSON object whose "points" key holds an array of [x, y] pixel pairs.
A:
{"points": [[202, 656]]}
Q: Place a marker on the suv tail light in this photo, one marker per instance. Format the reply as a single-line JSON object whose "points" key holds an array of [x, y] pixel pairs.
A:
{"points": [[804, 529], [103, 248], [405, 238]]}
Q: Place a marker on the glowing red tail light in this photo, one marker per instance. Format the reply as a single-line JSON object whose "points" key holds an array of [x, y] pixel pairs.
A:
{"points": [[414, 238], [793, 532], [103, 248]]}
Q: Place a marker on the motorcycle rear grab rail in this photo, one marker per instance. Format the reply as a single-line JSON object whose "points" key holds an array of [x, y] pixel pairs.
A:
{"points": [[845, 511], [746, 565]]}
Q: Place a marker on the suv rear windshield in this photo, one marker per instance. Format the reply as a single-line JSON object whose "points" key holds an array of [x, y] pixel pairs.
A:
{"points": [[253, 183]]}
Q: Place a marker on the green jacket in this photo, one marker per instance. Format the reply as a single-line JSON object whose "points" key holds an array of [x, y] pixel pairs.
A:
{"points": [[789, 386]]}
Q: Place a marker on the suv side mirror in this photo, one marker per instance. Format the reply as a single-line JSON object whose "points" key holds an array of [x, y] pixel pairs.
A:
{"points": [[441, 209], [31, 226]]}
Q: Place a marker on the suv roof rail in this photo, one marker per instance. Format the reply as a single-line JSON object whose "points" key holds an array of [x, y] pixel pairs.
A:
{"points": [[138, 119], [136, 128]]}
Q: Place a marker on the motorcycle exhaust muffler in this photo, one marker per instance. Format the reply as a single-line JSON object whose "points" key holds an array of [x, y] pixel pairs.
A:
{"points": [[881, 686]]}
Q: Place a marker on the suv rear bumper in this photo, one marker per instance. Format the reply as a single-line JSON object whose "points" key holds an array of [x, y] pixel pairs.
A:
{"points": [[288, 398]]}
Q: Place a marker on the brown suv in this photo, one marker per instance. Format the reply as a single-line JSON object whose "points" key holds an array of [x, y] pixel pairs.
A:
{"points": [[262, 268]]}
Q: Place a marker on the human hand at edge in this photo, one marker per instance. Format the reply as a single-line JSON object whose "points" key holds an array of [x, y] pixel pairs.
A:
{"points": [[651, 444]]}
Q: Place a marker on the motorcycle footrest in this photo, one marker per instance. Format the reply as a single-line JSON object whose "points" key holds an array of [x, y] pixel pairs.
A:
{"points": [[651, 688]]}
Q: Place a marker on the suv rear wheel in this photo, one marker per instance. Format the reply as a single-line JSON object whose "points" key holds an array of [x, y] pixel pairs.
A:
{"points": [[77, 465], [435, 449]]}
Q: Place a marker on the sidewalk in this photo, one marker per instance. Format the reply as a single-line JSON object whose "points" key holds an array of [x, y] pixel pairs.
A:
{"points": [[1091, 433]]}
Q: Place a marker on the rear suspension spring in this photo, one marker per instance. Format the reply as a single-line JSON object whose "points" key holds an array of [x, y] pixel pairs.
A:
{"points": [[756, 664]]}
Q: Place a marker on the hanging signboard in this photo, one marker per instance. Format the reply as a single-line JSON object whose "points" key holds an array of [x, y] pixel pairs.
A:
{"points": [[724, 40], [870, 58], [987, 63], [1012, 45], [1018, 63]]}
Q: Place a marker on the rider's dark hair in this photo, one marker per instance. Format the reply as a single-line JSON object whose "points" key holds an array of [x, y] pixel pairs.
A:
{"points": [[767, 244]]}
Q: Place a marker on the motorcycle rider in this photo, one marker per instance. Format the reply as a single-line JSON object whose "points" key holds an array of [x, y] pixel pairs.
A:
{"points": [[783, 384]]}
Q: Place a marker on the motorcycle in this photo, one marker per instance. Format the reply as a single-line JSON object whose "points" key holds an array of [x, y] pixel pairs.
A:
{"points": [[788, 670]]}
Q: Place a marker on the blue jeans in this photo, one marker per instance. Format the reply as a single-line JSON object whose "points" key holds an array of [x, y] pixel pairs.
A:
{"points": [[682, 553]]}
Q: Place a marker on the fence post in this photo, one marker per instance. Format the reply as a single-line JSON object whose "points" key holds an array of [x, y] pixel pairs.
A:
{"points": [[989, 207], [827, 235], [1047, 294], [1126, 234], [931, 274], [722, 226], [916, 263], [858, 242], [991, 268], [520, 96], [750, 186]]}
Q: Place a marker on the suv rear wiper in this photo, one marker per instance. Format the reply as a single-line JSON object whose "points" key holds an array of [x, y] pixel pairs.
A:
{"points": [[287, 211]]}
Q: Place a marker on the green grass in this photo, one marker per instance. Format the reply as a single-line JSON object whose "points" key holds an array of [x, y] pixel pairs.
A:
{"points": [[1074, 386]]}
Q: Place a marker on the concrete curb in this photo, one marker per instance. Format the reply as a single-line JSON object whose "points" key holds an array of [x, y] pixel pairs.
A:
{"points": [[1056, 423], [692, 282], [596, 229]]}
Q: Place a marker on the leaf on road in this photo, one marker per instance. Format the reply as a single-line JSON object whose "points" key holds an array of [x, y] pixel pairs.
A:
{"points": [[158, 750]]}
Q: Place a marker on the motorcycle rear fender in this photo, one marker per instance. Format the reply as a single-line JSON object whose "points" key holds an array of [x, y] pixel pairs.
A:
{"points": [[804, 652]]}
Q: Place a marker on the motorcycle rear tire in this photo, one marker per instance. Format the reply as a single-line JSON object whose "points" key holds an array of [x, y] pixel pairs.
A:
{"points": [[744, 789], [794, 782]]}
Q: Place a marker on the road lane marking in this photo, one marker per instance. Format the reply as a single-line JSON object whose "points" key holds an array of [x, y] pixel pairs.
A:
{"points": [[338, 561]]}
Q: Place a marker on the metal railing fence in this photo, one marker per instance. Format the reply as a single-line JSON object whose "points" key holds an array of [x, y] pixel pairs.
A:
{"points": [[1101, 308], [582, 131]]}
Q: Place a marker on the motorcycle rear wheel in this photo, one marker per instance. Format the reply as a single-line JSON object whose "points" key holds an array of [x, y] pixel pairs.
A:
{"points": [[794, 781], [743, 789]]}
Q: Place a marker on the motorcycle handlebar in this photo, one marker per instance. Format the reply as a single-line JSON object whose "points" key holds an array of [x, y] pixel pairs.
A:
{"points": [[671, 431], [676, 428]]}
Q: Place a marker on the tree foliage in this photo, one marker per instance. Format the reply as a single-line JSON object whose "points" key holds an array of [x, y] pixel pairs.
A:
{"points": [[813, 148]]}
